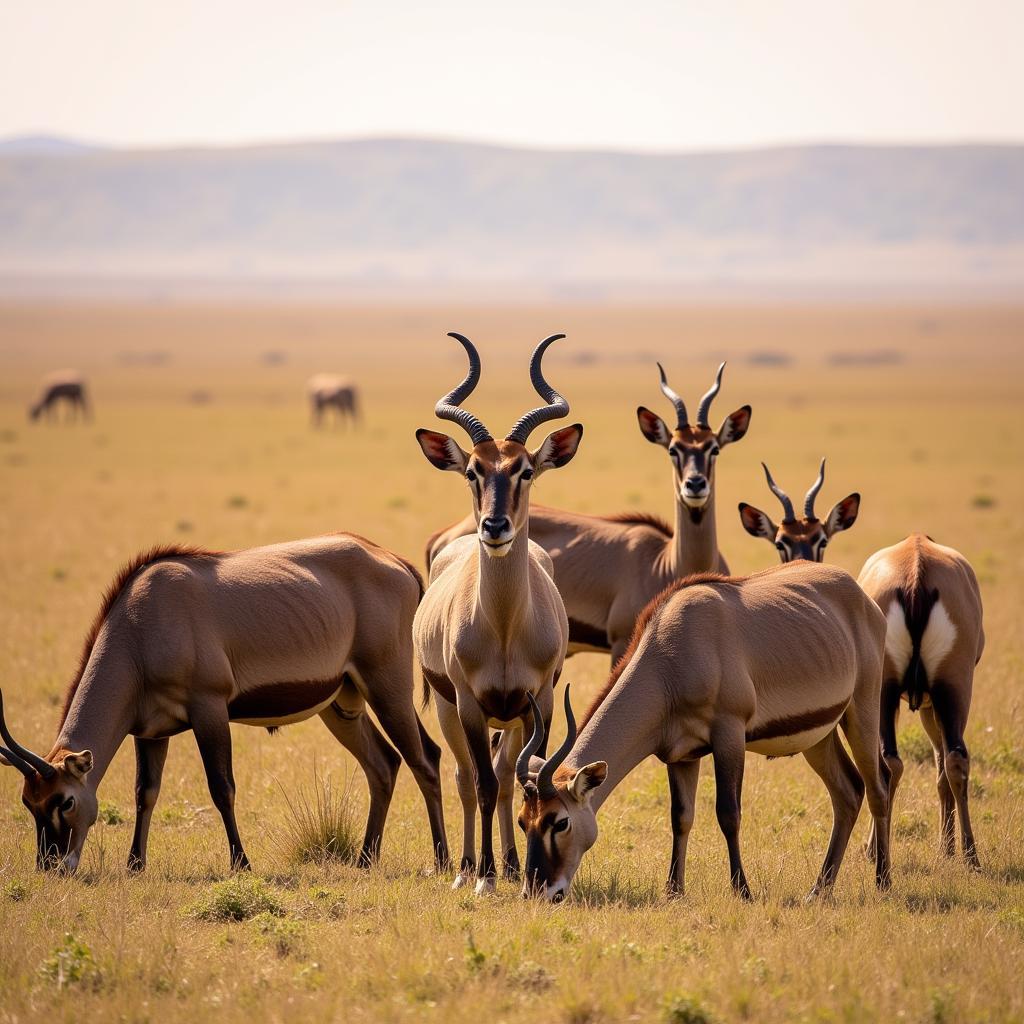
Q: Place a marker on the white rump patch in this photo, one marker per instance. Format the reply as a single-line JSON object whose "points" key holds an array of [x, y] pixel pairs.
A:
{"points": [[898, 644], [937, 642]]}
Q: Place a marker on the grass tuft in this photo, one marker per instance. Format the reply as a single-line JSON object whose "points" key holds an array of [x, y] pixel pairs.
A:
{"points": [[686, 1010], [237, 899], [320, 826], [71, 963]]}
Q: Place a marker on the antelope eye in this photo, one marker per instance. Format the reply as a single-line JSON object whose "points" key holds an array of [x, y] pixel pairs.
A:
{"points": [[68, 805], [527, 474], [823, 544], [470, 475], [561, 825], [780, 545], [714, 451]]}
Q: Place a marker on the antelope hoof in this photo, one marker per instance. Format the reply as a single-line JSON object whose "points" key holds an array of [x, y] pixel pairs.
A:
{"points": [[462, 879], [486, 886], [136, 864], [972, 861]]}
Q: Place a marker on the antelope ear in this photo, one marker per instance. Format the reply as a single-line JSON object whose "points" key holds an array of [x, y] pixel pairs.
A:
{"points": [[652, 426], [442, 451], [589, 777], [79, 764], [756, 523], [557, 448], [734, 427], [843, 514]]}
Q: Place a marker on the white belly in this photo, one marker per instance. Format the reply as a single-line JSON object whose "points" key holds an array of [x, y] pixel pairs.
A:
{"points": [[784, 746]]}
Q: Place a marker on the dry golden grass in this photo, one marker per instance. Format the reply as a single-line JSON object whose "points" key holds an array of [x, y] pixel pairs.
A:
{"points": [[932, 442]]}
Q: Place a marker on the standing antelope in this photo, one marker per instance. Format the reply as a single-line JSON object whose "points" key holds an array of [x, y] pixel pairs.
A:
{"points": [[491, 630], [326, 391], [932, 604], [66, 386], [772, 663], [190, 639], [609, 567], [800, 538]]}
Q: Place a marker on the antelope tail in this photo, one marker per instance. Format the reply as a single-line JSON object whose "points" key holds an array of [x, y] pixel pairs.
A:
{"points": [[917, 607]]}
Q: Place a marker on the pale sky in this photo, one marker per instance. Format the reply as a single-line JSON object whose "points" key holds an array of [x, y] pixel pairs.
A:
{"points": [[644, 74]]}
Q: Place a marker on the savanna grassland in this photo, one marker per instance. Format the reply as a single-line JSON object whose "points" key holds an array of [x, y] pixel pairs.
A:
{"points": [[201, 436]]}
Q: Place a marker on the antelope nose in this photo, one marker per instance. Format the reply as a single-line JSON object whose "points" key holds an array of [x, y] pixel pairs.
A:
{"points": [[495, 527], [696, 484]]}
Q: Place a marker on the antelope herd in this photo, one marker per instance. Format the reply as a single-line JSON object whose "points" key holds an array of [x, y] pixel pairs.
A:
{"points": [[703, 663]]}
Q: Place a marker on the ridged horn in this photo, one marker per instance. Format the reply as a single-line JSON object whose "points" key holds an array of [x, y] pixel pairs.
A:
{"points": [[556, 408], [682, 419], [447, 407], [709, 397], [16, 762], [813, 493], [34, 761], [788, 515], [531, 748], [545, 787]]}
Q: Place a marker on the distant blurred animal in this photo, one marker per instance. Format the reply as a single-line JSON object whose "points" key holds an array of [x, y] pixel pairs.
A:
{"points": [[806, 537], [64, 385], [328, 391]]}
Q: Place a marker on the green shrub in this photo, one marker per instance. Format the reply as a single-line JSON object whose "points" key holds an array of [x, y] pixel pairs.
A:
{"points": [[686, 1010], [237, 899], [71, 963]]}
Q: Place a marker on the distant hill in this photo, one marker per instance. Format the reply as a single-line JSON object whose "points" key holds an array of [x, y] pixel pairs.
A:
{"points": [[404, 214]]}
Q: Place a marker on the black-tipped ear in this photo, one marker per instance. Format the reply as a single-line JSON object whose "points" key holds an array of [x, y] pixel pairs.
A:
{"points": [[557, 448], [734, 427], [442, 451], [653, 427], [589, 777], [843, 514], [756, 523]]}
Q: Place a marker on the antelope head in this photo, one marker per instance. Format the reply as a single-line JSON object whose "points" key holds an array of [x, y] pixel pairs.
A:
{"points": [[808, 536], [557, 816], [57, 796], [693, 448], [500, 473]]}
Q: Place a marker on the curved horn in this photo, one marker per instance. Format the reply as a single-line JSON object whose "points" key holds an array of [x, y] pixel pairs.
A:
{"points": [[16, 762], [447, 408], [545, 786], [531, 748], [788, 515], [557, 406], [682, 419], [709, 397], [32, 760], [813, 492]]}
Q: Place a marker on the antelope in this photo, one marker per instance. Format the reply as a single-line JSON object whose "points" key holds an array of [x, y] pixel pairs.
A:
{"points": [[327, 391], [194, 639], [609, 567], [772, 663], [800, 538], [932, 605], [66, 386], [491, 631]]}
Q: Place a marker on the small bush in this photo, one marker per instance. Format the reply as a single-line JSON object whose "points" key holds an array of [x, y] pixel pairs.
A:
{"points": [[110, 814], [16, 891], [319, 826], [983, 501], [285, 937], [71, 963], [237, 899], [914, 745], [685, 1010]]}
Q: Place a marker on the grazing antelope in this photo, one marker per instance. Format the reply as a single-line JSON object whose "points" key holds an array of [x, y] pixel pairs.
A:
{"points": [[932, 604], [718, 665], [491, 630], [326, 391], [800, 538], [191, 639], [609, 567], [66, 386]]}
